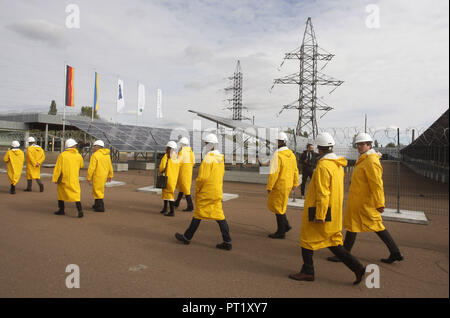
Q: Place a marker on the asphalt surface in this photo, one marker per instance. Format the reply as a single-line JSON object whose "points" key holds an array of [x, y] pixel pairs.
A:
{"points": [[130, 250]]}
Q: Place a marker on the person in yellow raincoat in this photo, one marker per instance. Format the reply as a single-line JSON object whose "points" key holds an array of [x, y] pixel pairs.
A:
{"points": [[14, 164], [170, 166], [209, 194], [283, 178], [186, 159], [365, 201], [66, 175], [35, 158], [322, 213], [100, 171]]}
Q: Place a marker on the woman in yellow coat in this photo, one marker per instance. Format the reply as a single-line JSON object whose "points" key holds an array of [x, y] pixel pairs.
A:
{"points": [[170, 166], [100, 171], [365, 201], [186, 159], [35, 158], [14, 164], [66, 175], [209, 194], [322, 213], [283, 178]]}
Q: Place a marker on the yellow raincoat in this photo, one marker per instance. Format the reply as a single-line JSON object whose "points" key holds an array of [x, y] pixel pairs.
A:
{"points": [[100, 169], [325, 190], [209, 188], [365, 195], [35, 155], [173, 167], [187, 160], [67, 173], [283, 177], [14, 164]]}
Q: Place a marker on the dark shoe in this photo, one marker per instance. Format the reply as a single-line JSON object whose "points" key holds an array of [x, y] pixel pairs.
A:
{"points": [[334, 259], [41, 188], [392, 258], [60, 212], [27, 190], [80, 214], [277, 236], [359, 275], [164, 210], [12, 190], [181, 238], [188, 209], [224, 246], [288, 228], [100, 206], [302, 277], [169, 214]]}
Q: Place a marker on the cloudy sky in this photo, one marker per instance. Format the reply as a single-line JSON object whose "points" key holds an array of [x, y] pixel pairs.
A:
{"points": [[397, 74]]}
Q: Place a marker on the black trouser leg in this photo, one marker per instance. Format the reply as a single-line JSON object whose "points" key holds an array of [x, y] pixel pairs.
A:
{"points": [[12, 190], [172, 206], [285, 222], [223, 225], [308, 264], [190, 205], [349, 240], [61, 205], [192, 228], [306, 173], [348, 259], [177, 201], [280, 224], [79, 208], [164, 210], [389, 241], [41, 186]]}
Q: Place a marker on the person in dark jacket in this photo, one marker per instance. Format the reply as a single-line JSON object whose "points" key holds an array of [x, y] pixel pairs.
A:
{"points": [[308, 160]]}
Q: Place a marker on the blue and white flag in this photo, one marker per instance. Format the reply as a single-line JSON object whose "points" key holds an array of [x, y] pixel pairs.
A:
{"points": [[120, 97], [159, 104], [141, 99]]}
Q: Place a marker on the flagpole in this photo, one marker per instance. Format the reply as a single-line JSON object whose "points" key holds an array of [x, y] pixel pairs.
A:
{"points": [[137, 112], [64, 111], [95, 91]]}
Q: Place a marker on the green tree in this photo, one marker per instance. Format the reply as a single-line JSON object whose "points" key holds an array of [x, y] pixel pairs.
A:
{"points": [[53, 109], [376, 143], [390, 145], [87, 111]]}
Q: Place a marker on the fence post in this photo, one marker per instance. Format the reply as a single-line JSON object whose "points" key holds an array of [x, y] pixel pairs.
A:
{"points": [[155, 155], [398, 170]]}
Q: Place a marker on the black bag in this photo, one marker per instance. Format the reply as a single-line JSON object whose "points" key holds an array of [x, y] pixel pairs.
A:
{"points": [[161, 181], [312, 214]]}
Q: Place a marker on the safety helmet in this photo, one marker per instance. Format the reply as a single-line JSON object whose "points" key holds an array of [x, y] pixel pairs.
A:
{"points": [[70, 143], [31, 139], [99, 143], [282, 136], [211, 138], [184, 141], [172, 144], [15, 144], [363, 137], [324, 140]]}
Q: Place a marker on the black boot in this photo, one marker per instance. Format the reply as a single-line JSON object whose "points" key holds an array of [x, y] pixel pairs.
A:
{"points": [[60, 207], [349, 241], [41, 186], [172, 209], [79, 208], [12, 190], [279, 234], [177, 201], [393, 248], [190, 205], [29, 185], [100, 206], [95, 204], [164, 210]]}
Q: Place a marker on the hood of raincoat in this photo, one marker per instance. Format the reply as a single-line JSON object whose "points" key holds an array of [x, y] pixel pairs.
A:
{"points": [[103, 151], [16, 151], [285, 154], [339, 161]]}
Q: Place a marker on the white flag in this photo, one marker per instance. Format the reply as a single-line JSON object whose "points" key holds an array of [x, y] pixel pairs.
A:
{"points": [[141, 99], [159, 104], [120, 97]]}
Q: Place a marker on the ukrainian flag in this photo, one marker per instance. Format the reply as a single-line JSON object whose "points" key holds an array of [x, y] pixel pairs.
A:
{"points": [[95, 105]]}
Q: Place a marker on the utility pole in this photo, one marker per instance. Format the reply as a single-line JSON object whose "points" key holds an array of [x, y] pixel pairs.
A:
{"points": [[236, 88], [307, 79]]}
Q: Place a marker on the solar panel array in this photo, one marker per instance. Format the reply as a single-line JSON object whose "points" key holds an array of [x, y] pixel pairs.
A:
{"points": [[126, 138]]}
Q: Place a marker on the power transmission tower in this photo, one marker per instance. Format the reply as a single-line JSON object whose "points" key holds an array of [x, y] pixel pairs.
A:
{"points": [[307, 79], [236, 88]]}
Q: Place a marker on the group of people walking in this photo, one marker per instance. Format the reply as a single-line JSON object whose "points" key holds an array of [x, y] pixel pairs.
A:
{"points": [[322, 217]]}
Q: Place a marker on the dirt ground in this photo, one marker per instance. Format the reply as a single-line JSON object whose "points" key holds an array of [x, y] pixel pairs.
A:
{"points": [[130, 250]]}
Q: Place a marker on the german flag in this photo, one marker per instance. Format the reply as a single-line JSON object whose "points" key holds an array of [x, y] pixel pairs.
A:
{"points": [[69, 86]]}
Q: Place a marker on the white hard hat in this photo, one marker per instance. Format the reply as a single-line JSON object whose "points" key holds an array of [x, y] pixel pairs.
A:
{"points": [[172, 144], [70, 143], [211, 138], [15, 144], [363, 137], [324, 140], [31, 139], [184, 141], [99, 143], [282, 136]]}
